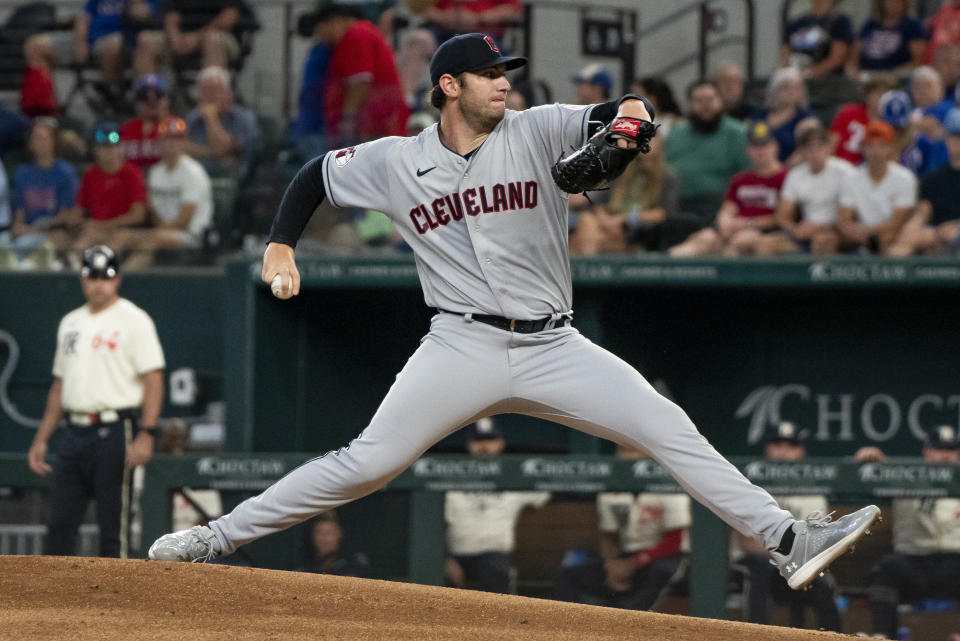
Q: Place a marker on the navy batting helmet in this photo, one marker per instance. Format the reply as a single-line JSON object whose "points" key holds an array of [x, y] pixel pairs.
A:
{"points": [[100, 261]]}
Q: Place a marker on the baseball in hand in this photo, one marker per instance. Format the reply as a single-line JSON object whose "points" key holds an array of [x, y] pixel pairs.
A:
{"points": [[276, 285]]}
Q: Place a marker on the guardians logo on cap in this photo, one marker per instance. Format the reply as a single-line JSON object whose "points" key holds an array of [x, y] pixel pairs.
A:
{"points": [[469, 52]]}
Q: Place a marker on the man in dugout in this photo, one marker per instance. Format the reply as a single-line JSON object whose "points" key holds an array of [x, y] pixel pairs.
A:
{"points": [[925, 562]]}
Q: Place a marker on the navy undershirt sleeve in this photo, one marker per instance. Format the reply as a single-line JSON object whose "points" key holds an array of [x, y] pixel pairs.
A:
{"points": [[302, 197]]}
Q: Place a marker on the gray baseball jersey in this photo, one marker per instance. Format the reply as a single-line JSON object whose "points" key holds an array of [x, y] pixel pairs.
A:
{"points": [[489, 233]]}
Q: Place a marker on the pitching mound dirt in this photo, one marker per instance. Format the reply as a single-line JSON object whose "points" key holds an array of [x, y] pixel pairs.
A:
{"points": [[82, 599]]}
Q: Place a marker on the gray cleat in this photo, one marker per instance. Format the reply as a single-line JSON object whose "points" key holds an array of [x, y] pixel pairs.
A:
{"points": [[198, 545], [819, 540]]}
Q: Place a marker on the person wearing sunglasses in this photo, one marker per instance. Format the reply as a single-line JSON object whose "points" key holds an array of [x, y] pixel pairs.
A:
{"points": [[112, 192]]}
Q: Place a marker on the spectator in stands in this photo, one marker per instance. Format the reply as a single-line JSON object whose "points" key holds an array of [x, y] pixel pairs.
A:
{"points": [[112, 194], [786, 107], [180, 200], [139, 135], [643, 538], [480, 525], [850, 123], [325, 554], [106, 29], [658, 91], [889, 41], [44, 193], [223, 135], [593, 84], [944, 27], [747, 213], [641, 214], [413, 63], [818, 43], [207, 27], [917, 152], [705, 150], [926, 541], [875, 205], [812, 190], [311, 117], [762, 582], [447, 18], [364, 99], [728, 76], [934, 227], [930, 108], [14, 127], [947, 63]]}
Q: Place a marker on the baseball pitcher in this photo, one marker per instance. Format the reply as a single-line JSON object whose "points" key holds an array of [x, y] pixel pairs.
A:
{"points": [[482, 202]]}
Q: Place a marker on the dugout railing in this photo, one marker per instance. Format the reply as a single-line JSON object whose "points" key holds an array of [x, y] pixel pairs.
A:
{"points": [[843, 481]]}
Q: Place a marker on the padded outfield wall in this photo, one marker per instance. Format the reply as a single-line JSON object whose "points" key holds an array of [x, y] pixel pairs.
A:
{"points": [[855, 351]]}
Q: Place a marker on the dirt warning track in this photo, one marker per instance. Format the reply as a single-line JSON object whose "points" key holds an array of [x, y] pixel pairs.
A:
{"points": [[82, 599]]}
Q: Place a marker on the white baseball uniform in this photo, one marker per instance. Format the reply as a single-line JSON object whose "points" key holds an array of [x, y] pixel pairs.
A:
{"points": [[489, 234], [101, 357], [926, 526], [480, 522], [641, 519]]}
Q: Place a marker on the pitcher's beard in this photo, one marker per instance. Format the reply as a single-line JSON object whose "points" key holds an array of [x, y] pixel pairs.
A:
{"points": [[480, 121]]}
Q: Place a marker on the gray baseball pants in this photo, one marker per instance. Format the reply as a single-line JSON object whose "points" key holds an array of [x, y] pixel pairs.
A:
{"points": [[464, 370]]}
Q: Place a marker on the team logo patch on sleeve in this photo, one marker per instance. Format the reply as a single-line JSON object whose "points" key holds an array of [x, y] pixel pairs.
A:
{"points": [[344, 156], [623, 126]]}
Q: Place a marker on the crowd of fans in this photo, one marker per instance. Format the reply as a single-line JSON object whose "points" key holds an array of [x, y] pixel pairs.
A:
{"points": [[136, 175], [853, 146], [872, 176]]}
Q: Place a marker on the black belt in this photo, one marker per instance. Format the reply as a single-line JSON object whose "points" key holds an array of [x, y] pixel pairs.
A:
{"points": [[519, 326]]}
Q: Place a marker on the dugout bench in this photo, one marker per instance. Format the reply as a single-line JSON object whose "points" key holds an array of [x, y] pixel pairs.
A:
{"points": [[845, 482]]}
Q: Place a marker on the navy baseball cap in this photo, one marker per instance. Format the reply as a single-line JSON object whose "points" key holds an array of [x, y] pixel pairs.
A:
{"points": [[759, 133], [484, 429], [784, 431], [469, 52], [895, 108], [943, 437], [595, 74], [149, 81], [99, 261]]}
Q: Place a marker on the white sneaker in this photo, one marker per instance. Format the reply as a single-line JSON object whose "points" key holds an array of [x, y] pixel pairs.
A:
{"points": [[198, 545]]}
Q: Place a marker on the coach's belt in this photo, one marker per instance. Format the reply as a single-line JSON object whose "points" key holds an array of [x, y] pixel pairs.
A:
{"points": [[84, 419], [519, 326]]}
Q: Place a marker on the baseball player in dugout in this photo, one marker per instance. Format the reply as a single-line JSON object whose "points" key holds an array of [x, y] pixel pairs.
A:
{"points": [[643, 541], [925, 562], [784, 442], [108, 390], [481, 199], [481, 526]]}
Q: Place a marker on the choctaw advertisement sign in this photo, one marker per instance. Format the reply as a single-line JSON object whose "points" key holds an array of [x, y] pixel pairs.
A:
{"points": [[824, 417]]}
